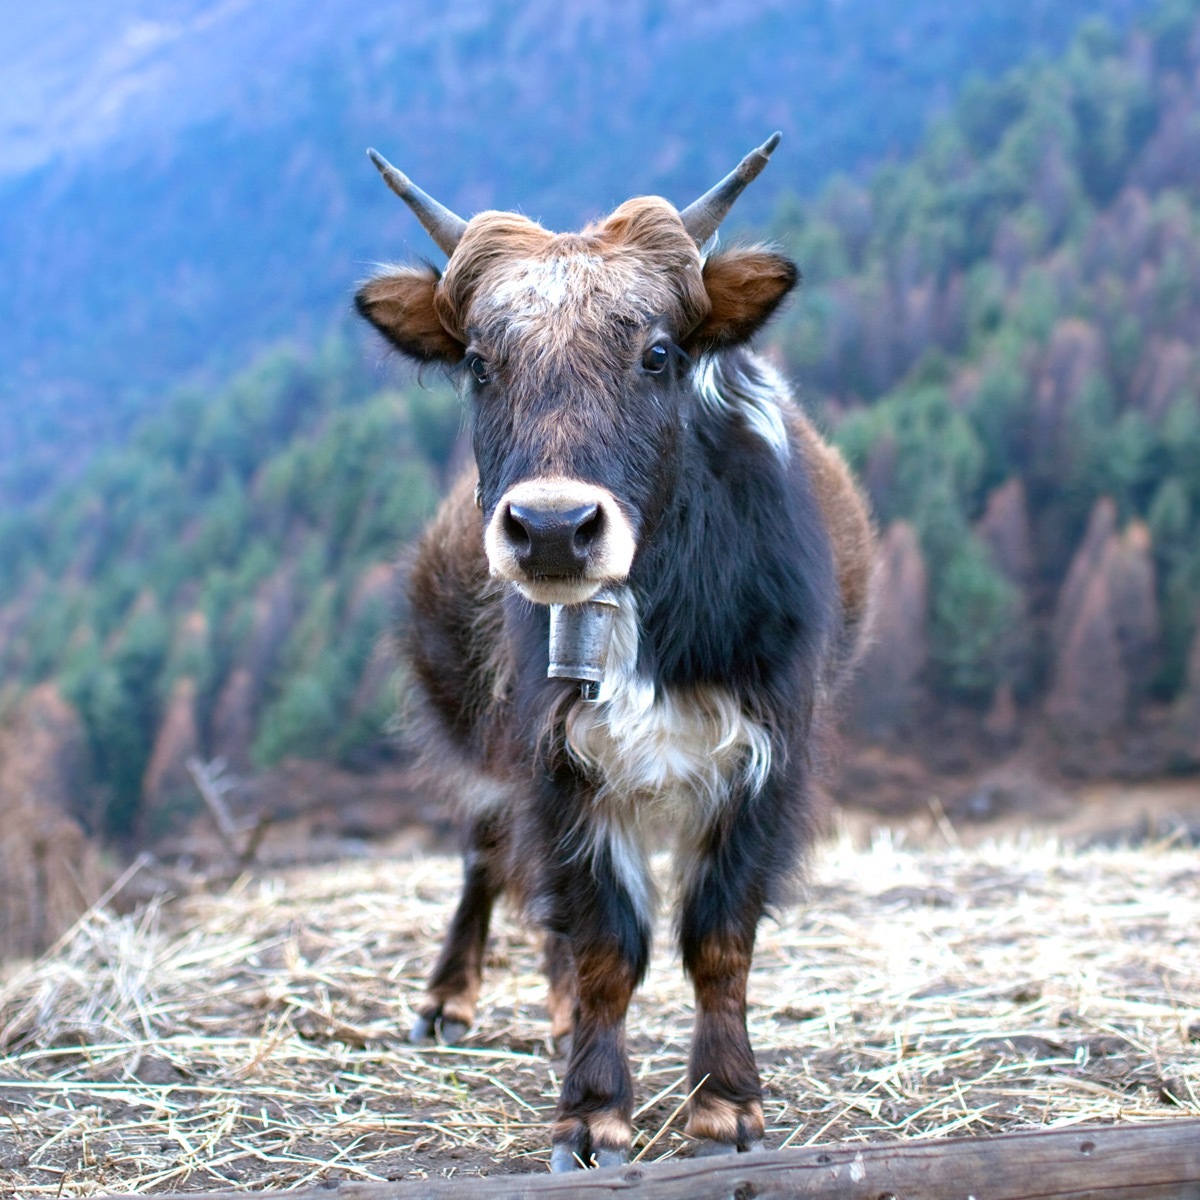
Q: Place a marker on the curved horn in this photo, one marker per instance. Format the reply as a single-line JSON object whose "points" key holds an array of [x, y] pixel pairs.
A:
{"points": [[702, 217], [440, 223]]}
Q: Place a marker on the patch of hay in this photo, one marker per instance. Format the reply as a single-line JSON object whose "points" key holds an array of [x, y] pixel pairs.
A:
{"points": [[254, 1039]]}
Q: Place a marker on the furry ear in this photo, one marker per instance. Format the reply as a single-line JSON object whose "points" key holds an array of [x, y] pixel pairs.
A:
{"points": [[400, 305], [745, 287]]}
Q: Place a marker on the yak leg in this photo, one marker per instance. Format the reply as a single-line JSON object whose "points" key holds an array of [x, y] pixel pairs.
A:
{"points": [[594, 1116], [447, 1009], [731, 875], [560, 1000], [607, 929], [726, 1112]]}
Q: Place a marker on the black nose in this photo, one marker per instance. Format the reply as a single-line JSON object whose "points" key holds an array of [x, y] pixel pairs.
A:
{"points": [[549, 541]]}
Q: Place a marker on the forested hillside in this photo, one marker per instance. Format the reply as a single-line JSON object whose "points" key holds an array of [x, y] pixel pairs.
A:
{"points": [[219, 585], [1002, 334], [183, 181]]}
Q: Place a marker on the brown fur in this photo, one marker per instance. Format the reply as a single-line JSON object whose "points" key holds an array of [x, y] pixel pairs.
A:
{"points": [[595, 1107], [560, 1001], [454, 984], [722, 1121], [727, 1106], [637, 264], [744, 287], [400, 303], [450, 586], [649, 266], [451, 579], [604, 983], [851, 530], [592, 1133]]}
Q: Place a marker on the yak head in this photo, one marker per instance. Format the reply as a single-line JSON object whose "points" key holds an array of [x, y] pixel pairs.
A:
{"points": [[578, 354]]}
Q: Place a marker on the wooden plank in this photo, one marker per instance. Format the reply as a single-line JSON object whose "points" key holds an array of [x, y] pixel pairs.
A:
{"points": [[1159, 1161]]}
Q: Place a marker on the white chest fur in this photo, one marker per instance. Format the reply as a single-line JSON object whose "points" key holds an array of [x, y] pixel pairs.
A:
{"points": [[682, 751]]}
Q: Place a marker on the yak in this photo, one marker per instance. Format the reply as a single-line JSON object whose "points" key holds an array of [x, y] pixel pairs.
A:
{"points": [[627, 622]]}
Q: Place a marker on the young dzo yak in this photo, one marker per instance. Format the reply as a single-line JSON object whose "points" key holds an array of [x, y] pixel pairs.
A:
{"points": [[627, 622]]}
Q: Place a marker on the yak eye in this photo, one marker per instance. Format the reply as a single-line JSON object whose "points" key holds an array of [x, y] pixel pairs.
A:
{"points": [[478, 368], [655, 359]]}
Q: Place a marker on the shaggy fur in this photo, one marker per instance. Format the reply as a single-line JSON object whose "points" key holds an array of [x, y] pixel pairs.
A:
{"points": [[611, 361]]}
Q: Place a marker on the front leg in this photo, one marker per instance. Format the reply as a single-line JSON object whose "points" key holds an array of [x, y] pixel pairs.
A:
{"points": [[733, 872], [726, 1112], [595, 897], [594, 1118]]}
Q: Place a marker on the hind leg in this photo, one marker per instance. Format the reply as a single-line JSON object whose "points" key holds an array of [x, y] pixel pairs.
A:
{"points": [[560, 999], [447, 1009]]}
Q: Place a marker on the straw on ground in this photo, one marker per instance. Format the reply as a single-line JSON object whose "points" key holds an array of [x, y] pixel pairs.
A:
{"points": [[254, 1038]]}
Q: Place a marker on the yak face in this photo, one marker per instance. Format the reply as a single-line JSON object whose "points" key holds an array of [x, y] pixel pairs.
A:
{"points": [[577, 353]]}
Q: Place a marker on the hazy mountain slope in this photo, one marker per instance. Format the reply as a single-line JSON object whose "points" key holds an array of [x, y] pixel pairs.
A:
{"points": [[180, 182], [1002, 334]]}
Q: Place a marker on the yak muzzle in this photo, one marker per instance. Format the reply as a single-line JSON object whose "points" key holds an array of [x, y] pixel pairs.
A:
{"points": [[547, 542], [559, 540]]}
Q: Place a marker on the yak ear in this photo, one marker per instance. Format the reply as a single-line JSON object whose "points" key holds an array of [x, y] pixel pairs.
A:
{"points": [[744, 287], [400, 304]]}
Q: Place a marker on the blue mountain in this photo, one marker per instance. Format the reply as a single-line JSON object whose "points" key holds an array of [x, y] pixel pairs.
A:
{"points": [[183, 181]]}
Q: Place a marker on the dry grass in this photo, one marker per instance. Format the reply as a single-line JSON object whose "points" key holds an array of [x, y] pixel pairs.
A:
{"points": [[251, 1039]]}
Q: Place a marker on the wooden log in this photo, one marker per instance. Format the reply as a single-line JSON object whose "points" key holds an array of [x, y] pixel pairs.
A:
{"points": [[1159, 1161]]}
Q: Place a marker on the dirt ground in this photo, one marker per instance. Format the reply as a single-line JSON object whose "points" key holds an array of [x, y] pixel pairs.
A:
{"points": [[949, 975], [319, 813], [1012, 797]]}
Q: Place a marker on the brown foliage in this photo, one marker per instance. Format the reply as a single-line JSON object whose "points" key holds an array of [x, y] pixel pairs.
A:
{"points": [[1129, 571], [886, 689], [235, 713], [1074, 355], [1186, 714], [1106, 631], [178, 739], [1091, 690], [1004, 529], [1102, 525], [49, 868], [1165, 370], [233, 720]]}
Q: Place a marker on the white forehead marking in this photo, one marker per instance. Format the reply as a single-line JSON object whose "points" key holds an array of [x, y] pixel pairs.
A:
{"points": [[540, 285]]}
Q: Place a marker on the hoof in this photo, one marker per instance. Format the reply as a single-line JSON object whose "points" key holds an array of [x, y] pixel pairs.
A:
{"points": [[437, 1028], [450, 1033], [562, 1046], [601, 1140], [707, 1148], [610, 1158], [711, 1148], [563, 1159]]}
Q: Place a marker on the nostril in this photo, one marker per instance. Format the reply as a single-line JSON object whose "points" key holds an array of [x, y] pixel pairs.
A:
{"points": [[516, 530], [588, 531], [552, 541]]}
